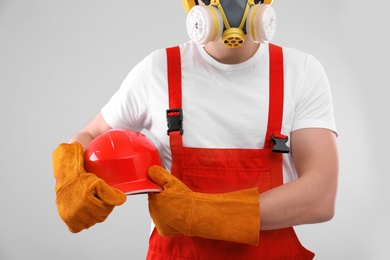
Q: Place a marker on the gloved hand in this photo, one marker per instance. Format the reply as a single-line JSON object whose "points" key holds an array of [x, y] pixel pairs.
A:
{"points": [[233, 216], [82, 198]]}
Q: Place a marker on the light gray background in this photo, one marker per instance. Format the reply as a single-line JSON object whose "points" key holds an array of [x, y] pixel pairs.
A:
{"points": [[60, 61]]}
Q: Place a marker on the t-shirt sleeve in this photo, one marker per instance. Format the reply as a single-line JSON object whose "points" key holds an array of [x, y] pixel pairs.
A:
{"points": [[314, 108], [128, 107]]}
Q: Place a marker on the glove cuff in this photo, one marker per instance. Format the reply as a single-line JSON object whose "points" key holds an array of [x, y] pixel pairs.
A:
{"points": [[233, 217], [68, 163]]}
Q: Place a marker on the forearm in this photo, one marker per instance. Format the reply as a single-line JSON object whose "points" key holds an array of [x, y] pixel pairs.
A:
{"points": [[298, 202], [83, 137], [95, 128]]}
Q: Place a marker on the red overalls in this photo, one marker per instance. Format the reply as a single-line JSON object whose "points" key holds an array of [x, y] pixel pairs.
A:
{"points": [[224, 170]]}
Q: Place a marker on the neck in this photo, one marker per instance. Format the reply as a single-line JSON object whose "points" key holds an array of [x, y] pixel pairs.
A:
{"points": [[225, 55]]}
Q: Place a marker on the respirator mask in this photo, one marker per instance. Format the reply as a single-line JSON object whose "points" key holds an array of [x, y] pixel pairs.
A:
{"points": [[232, 20]]}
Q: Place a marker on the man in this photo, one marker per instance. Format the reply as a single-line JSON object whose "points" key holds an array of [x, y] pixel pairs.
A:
{"points": [[251, 142]]}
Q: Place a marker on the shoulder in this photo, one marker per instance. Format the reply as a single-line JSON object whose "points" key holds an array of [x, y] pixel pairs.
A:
{"points": [[300, 60], [160, 54], [156, 60]]}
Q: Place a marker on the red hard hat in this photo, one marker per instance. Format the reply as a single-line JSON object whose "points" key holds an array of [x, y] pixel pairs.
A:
{"points": [[122, 159]]}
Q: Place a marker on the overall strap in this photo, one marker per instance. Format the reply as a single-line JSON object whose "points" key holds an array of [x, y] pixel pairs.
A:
{"points": [[274, 137], [174, 77], [276, 100], [175, 112]]}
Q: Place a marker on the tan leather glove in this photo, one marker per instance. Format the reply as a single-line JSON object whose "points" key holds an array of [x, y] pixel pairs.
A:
{"points": [[82, 198], [233, 216]]}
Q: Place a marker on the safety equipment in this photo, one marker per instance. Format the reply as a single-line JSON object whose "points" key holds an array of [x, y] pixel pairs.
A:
{"points": [[121, 158], [82, 198], [179, 211], [231, 20]]}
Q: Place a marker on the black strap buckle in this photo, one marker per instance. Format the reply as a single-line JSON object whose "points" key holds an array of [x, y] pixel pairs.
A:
{"points": [[175, 120], [280, 144]]}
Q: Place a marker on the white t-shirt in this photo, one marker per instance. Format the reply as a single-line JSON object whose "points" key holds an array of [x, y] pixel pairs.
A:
{"points": [[224, 106]]}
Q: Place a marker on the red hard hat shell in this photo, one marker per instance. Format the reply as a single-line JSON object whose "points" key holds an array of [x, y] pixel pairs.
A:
{"points": [[122, 159]]}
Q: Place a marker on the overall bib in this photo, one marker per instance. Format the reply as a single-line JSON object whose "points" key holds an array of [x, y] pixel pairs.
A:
{"points": [[224, 170]]}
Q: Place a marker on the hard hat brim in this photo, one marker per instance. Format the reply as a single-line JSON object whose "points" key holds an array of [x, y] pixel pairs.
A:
{"points": [[138, 187]]}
